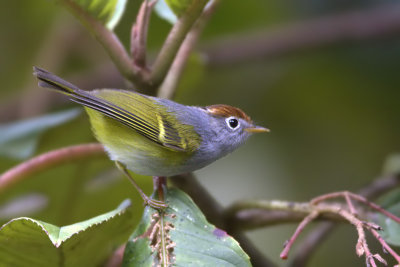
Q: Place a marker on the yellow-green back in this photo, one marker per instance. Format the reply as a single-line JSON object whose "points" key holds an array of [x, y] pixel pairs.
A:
{"points": [[148, 130]]}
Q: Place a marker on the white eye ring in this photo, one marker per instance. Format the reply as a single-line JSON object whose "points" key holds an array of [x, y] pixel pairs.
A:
{"points": [[232, 123]]}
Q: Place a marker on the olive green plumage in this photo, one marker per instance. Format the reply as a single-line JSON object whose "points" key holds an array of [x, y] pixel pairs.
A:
{"points": [[137, 125], [154, 136]]}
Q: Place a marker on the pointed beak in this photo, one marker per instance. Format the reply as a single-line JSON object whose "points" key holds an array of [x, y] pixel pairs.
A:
{"points": [[256, 129]]}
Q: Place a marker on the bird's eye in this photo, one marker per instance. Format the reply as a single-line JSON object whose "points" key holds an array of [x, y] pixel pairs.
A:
{"points": [[232, 122]]}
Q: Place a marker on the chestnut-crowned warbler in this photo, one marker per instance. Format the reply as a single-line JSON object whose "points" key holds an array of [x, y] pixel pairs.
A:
{"points": [[154, 136]]}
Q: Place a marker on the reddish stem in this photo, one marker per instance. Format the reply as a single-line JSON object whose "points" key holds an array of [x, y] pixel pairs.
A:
{"points": [[385, 245], [139, 34], [375, 207], [359, 198], [349, 203], [160, 183], [48, 160], [310, 217]]}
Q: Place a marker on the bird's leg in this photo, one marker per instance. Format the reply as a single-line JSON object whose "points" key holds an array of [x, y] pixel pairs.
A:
{"points": [[159, 184], [156, 204]]}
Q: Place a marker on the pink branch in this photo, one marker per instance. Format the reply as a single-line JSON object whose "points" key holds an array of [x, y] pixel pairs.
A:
{"points": [[139, 34], [310, 217], [348, 195], [48, 160], [386, 246], [362, 246], [375, 207]]}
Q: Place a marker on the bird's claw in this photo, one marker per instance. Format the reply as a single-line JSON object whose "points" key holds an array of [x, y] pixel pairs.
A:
{"points": [[155, 204]]}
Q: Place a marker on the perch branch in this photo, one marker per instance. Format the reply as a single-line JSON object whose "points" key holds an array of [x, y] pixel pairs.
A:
{"points": [[48, 160]]}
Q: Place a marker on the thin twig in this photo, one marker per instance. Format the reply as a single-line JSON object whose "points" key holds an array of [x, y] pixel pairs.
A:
{"points": [[358, 25], [309, 244], [350, 204], [170, 83], [288, 244], [385, 246], [317, 207], [375, 207], [362, 199], [174, 41], [362, 246], [47, 161], [139, 34]]}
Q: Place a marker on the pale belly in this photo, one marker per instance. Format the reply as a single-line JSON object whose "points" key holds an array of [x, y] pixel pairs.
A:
{"points": [[142, 163]]}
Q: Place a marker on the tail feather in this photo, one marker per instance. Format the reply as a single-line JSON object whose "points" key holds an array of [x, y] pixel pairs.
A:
{"points": [[49, 80]]}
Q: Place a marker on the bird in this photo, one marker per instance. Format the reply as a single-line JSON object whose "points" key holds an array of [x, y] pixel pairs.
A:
{"points": [[153, 136]]}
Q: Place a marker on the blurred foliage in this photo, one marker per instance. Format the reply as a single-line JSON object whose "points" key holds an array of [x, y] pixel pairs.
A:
{"points": [[333, 112], [19, 140], [391, 232], [106, 11]]}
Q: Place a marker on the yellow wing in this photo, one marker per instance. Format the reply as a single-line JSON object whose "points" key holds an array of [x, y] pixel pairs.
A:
{"points": [[144, 116], [139, 112]]}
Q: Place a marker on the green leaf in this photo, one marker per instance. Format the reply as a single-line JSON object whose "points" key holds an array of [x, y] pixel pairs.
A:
{"points": [[164, 11], [19, 140], [171, 10], [392, 164], [184, 235], [391, 229], [28, 242], [109, 12], [179, 6]]}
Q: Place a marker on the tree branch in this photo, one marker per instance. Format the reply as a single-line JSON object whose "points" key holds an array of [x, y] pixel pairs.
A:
{"points": [[352, 26], [340, 210], [310, 242], [139, 34], [48, 160], [173, 42], [377, 188], [170, 83]]}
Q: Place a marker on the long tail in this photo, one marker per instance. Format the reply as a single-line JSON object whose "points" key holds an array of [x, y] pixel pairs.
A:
{"points": [[49, 80]]}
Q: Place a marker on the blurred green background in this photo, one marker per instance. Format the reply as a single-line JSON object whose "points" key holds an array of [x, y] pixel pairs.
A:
{"points": [[333, 110]]}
